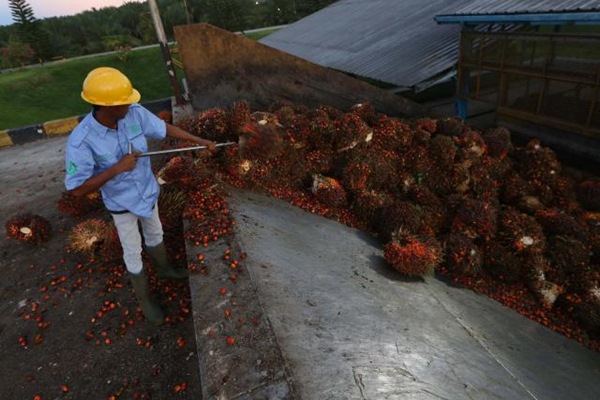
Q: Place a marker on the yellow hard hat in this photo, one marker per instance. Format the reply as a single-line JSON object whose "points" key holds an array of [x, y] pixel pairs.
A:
{"points": [[106, 86]]}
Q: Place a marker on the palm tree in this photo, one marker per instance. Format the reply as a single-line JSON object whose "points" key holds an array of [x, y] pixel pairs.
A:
{"points": [[29, 30]]}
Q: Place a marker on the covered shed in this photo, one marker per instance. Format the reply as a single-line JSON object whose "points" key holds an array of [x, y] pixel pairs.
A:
{"points": [[535, 63], [390, 41]]}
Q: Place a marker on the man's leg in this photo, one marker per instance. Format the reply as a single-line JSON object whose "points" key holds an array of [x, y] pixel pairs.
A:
{"points": [[153, 239], [131, 241]]}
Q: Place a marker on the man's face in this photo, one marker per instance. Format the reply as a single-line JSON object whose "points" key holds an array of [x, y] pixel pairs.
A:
{"points": [[118, 112]]}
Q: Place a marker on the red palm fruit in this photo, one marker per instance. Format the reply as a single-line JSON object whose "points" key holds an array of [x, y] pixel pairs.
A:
{"points": [[588, 315], [28, 228], [355, 175], [498, 142], [413, 256], [476, 219], [185, 173], [368, 205], [588, 194], [366, 112], [435, 211], [80, 205], [166, 116], [260, 141], [501, 263], [514, 187], [318, 129], [592, 220], [392, 134], [462, 255], [399, 215], [570, 262], [452, 126], [332, 112], [213, 124], [557, 222], [424, 128], [329, 191], [520, 232], [471, 145], [238, 115], [443, 151], [350, 131], [285, 114]]}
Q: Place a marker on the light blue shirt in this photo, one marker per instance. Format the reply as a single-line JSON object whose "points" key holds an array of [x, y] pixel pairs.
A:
{"points": [[93, 148]]}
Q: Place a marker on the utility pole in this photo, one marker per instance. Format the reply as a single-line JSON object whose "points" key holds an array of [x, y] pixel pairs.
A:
{"points": [[166, 52]]}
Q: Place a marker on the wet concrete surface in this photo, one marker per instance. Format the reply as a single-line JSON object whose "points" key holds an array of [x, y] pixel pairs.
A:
{"points": [[350, 327]]}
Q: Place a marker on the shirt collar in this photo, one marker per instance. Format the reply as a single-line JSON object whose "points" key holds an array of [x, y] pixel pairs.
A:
{"points": [[97, 126]]}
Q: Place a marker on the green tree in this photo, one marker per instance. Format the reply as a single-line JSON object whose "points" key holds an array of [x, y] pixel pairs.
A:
{"points": [[29, 29]]}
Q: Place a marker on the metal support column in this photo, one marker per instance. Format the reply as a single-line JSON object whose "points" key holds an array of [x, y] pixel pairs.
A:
{"points": [[166, 52]]}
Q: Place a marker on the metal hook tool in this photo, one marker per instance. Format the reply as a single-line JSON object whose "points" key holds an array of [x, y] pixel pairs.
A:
{"points": [[154, 153]]}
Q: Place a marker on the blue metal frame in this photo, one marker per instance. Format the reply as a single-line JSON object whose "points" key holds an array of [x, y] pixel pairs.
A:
{"points": [[588, 17]]}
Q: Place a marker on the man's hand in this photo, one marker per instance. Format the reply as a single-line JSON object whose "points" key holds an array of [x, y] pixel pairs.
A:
{"points": [[210, 145], [127, 163]]}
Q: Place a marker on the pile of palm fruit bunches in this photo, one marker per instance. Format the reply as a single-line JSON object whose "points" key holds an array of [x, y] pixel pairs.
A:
{"points": [[443, 197]]}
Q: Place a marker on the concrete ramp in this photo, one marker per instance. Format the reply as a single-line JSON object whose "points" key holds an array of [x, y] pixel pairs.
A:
{"points": [[347, 326], [222, 67]]}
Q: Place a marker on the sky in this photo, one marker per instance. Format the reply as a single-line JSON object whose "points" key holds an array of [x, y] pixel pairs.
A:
{"points": [[56, 8]]}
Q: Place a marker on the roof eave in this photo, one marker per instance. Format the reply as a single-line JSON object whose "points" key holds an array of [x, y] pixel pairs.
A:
{"points": [[534, 18]]}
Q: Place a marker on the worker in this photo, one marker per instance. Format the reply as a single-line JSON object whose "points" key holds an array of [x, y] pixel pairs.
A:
{"points": [[102, 153]]}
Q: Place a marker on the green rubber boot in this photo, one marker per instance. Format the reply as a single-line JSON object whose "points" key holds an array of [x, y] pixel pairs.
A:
{"points": [[160, 260], [150, 308]]}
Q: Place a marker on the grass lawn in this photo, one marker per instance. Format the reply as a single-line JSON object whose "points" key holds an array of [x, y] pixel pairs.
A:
{"points": [[48, 92], [45, 93]]}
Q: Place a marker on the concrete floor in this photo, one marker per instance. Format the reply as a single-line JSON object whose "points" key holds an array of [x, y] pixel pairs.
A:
{"points": [[349, 327]]}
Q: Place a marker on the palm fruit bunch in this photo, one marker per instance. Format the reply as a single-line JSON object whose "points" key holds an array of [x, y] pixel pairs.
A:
{"points": [[369, 204], [401, 214], [234, 165], [557, 222], [392, 134], [588, 194], [520, 232], [316, 129], [501, 263], [411, 255], [238, 114], [476, 219], [28, 228], [80, 205], [171, 202], [329, 191], [212, 124], [260, 140], [462, 255], [182, 172], [424, 128], [350, 131], [90, 236], [570, 262], [499, 143]]}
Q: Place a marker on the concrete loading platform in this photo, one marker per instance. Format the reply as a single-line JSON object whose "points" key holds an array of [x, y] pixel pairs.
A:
{"points": [[331, 320]]}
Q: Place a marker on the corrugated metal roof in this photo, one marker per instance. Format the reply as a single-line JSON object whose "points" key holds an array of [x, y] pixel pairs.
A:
{"points": [[395, 41], [486, 7], [390, 40]]}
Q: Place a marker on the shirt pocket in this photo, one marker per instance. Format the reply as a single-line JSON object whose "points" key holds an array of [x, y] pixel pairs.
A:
{"points": [[105, 160], [139, 142]]}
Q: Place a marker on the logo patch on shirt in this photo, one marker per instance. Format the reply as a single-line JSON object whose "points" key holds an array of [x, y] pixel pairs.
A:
{"points": [[72, 168], [135, 129]]}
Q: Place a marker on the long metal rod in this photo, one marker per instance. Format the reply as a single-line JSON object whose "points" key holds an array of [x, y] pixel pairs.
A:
{"points": [[155, 153]]}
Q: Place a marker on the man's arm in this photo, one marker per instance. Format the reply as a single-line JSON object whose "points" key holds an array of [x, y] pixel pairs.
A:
{"points": [[127, 163], [178, 133]]}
